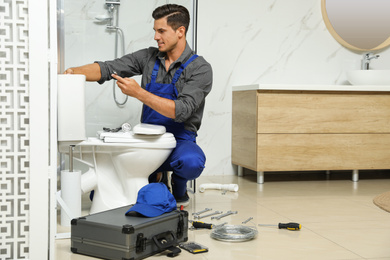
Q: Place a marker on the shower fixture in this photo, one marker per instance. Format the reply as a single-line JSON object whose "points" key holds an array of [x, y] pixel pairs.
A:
{"points": [[110, 19], [111, 25]]}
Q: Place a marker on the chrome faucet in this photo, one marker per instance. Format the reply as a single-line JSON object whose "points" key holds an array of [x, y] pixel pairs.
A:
{"points": [[366, 60]]}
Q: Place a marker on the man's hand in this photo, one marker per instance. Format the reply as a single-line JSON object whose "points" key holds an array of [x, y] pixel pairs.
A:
{"points": [[69, 71], [128, 86], [91, 71], [131, 88]]}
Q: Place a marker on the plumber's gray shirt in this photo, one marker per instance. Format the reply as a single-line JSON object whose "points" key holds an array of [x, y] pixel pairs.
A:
{"points": [[193, 85]]}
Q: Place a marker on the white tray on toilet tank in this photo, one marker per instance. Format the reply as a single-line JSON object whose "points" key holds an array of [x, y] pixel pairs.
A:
{"points": [[148, 129]]}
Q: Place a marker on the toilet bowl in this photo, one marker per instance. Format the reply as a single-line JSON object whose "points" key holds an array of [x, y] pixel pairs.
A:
{"points": [[120, 168]]}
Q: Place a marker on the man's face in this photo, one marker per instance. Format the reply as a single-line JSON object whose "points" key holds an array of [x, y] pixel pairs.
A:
{"points": [[165, 36]]}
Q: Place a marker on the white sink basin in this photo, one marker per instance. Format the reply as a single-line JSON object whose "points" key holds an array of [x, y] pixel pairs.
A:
{"points": [[369, 77]]}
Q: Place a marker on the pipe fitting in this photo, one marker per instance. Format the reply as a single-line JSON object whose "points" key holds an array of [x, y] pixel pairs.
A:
{"points": [[215, 186], [88, 181]]}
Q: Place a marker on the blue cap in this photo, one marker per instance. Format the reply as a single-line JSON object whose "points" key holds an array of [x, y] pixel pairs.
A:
{"points": [[154, 199]]}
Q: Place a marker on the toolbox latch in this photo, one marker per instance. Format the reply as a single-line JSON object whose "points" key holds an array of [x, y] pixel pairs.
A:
{"points": [[140, 244], [127, 229], [73, 222], [180, 227]]}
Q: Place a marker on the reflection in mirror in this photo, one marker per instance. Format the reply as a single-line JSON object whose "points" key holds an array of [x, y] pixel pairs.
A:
{"points": [[358, 24]]}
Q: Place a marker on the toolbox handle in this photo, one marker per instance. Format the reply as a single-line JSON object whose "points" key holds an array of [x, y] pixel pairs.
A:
{"points": [[165, 240]]}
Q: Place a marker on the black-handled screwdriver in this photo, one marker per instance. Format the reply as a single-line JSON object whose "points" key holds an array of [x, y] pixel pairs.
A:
{"points": [[198, 224], [289, 226]]}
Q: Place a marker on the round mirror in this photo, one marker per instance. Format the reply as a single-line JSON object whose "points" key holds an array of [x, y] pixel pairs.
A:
{"points": [[362, 25]]}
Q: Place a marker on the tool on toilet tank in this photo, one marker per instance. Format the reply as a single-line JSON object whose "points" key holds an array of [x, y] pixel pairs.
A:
{"points": [[290, 226], [125, 127]]}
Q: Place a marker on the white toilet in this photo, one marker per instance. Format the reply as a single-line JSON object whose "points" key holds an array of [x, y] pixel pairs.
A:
{"points": [[119, 163]]}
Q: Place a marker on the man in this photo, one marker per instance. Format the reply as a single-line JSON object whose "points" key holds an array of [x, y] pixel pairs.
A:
{"points": [[174, 85]]}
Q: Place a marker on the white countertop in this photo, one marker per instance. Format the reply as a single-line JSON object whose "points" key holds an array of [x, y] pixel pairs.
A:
{"points": [[312, 87]]}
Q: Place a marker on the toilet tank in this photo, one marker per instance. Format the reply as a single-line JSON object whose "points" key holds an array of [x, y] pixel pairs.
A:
{"points": [[71, 108]]}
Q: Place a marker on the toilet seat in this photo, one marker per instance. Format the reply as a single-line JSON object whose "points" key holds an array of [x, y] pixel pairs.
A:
{"points": [[130, 139], [142, 135], [164, 141]]}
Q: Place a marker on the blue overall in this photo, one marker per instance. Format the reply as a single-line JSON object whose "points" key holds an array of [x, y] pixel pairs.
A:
{"points": [[187, 159]]}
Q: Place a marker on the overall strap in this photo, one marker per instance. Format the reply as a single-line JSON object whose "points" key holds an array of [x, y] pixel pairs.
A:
{"points": [[182, 67], [155, 70]]}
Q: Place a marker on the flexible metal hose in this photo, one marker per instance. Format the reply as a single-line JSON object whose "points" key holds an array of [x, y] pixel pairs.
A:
{"points": [[118, 32], [234, 233]]}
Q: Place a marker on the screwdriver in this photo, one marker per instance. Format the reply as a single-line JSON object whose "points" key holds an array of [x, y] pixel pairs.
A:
{"points": [[199, 224], [289, 226]]}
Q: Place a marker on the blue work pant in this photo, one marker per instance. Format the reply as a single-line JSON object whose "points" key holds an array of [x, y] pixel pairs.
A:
{"points": [[187, 162]]}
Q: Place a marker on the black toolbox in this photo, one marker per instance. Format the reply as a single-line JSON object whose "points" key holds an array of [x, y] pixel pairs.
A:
{"points": [[113, 235]]}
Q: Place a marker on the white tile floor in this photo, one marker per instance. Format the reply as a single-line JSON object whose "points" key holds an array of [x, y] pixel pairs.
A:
{"points": [[338, 217]]}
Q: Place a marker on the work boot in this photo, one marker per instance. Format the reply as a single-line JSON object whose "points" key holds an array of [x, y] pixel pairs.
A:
{"points": [[183, 201]]}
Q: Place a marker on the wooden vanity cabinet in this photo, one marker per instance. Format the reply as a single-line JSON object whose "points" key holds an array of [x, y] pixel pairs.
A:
{"points": [[291, 130]]}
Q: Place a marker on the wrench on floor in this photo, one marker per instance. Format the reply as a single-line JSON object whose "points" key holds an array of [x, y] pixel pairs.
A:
{"points": [[225, 215], [208, 215], [200, 212]]}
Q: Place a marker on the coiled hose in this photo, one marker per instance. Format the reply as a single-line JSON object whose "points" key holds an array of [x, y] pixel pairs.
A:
{"points": [[234, 233]]}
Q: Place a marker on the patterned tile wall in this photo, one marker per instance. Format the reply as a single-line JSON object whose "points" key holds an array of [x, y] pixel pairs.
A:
{"points": [[14, 130]]}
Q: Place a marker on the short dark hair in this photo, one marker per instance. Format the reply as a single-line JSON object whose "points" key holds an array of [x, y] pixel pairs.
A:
{"points": [[177, 15]]}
